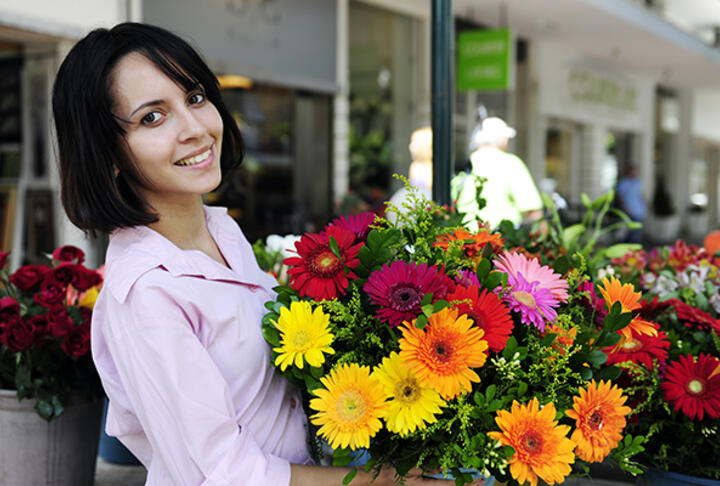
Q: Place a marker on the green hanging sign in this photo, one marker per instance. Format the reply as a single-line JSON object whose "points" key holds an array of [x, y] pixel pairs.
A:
{"points": [[484, 60]]}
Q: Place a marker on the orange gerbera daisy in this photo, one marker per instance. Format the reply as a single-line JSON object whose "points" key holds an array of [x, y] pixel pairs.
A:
{"points": [[613, 291], [473, 244], [599, 414], [542, 448], [443, 354]]}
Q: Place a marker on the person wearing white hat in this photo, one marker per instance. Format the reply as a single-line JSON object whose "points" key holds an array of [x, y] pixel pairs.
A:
{"points": [[509, 190]]}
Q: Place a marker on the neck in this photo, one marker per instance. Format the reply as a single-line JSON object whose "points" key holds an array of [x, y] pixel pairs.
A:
{"points": [[183, 223]]}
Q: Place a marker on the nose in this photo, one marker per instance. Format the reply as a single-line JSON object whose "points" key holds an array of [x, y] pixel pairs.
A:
{"points": [[190, 125]]}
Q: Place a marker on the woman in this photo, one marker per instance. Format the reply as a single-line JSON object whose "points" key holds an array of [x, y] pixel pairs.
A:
{"points": [[142, 135]]}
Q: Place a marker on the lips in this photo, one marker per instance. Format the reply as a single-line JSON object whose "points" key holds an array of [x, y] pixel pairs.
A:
{"points": [[196, 158]]}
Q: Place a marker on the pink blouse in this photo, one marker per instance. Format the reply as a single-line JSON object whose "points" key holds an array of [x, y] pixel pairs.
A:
{"points": [[177, 342]]}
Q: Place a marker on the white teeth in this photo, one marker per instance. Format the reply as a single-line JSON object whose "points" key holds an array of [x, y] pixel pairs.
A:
{"points": [[194, 160]]}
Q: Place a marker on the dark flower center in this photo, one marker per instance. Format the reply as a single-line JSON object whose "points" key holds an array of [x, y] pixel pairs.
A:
{"points": [[404, 297], [532, 442], [596, 420], [324, 263], [479, 318], [442, 351]]}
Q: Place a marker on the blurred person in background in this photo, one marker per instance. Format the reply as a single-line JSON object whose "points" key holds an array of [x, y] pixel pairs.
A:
{"points": [[509, 190], [420, 172], [630, 198]]}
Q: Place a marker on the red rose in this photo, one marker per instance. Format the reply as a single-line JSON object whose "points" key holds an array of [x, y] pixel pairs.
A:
{"points": [[86, 278], [51, 292], [69, 253], [3, 259], [77, 343], [41, 329], [67, 272], [18, 335], [9, 307], [59, 322], [29, 277]]}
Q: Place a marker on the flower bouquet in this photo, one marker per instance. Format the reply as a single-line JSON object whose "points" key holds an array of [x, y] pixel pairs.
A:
{"points": [[433, 347], [673, 377], [271, 253], [45, 331]]}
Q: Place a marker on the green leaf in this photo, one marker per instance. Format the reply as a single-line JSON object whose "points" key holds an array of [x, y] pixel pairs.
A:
{"points": [[44, 408], [479, 399], [597, 357], [585, 200], [427, 299], [440, 305], [571, 235], [490, 392], [374, 241], [22, 376], [332, 242], [483, 268], [522, 388], [350, 476], [548, 339], [427, 310], [608, 339], [586, 373], [391, 237], [562, 264], [492, 280], [271, 335], [621, 249], [421, 321], [608, 373], [57, 405]]}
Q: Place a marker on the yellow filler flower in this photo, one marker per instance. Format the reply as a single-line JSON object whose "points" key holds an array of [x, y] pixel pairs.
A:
{"points": [[305, 336], [443, 354], [542, 448], [412, 405], [349, 407], [599, 414]]}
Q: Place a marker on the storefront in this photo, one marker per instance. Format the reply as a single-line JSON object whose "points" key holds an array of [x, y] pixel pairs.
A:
{"points": [[593, 120]]}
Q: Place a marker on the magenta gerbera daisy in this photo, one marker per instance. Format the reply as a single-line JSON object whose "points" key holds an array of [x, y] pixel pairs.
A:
{"points": [[466, 278], [693, 386], [399, 288], [317, 272], [535, 304], [518, 264], [357, 224]]}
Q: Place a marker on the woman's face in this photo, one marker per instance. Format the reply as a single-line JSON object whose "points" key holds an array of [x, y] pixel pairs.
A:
{"points": [[173, 137]]}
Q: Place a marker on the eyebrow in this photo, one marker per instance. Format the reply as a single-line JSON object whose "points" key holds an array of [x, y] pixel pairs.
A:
{"points": [[145, 105]]}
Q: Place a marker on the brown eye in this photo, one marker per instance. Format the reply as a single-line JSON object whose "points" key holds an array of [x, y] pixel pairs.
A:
{"points": [[151, 118], [196, 98]]}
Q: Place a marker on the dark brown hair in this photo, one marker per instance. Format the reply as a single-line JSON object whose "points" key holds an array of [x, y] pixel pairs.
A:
{"points": [[90, 139]]}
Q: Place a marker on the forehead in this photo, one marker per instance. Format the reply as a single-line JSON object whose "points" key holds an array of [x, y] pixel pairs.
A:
{"points": [[135, 79]]}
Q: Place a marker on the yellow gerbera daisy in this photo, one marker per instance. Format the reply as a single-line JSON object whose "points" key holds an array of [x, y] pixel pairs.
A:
{"points": [[349, 407], [305, 336], [600, 418], [412, 404], [542, 448], [443, 354], [613, 291]]}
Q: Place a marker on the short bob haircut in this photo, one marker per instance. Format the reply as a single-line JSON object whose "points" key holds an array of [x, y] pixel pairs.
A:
{"points": [[91, 142]]}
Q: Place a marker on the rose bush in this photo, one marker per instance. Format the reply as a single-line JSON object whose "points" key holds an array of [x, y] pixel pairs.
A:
{"points": [[45, 316]]}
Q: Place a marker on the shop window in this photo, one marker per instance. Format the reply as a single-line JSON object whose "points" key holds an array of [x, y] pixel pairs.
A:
{"points": [[267, 193]]}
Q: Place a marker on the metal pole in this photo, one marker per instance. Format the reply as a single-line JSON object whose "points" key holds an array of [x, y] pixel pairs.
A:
{"points": [[443, 82]]}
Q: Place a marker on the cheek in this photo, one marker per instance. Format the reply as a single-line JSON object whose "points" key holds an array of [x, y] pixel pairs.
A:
{"points": [[213, 121]]}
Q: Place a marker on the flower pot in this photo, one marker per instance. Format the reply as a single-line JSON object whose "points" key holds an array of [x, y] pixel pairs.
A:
{"points": [[662, 229], [34, 452], [657, 477]]}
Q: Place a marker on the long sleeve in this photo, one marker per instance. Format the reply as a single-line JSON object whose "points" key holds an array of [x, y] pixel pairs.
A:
{"points": [[182, 400]]}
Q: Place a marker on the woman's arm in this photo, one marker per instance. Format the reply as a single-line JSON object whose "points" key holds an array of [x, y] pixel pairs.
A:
{"points": [[302, 475]]}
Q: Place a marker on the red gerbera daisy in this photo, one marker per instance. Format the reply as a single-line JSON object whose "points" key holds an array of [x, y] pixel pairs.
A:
{"points": [[488, 312], [317, 272], [357, 224], [694, 316], [399, 288], [693, 386], [681, 255], [651, 309], [640, 349]]}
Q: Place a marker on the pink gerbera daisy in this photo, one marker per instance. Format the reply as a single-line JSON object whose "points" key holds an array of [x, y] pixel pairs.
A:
{"points": [[399, 288], [357, 224], [535, 304], [515, 264]]}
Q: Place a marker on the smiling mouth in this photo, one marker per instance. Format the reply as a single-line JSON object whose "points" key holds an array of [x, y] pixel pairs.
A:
{"points": [[195, 160]]}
